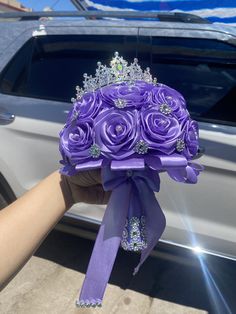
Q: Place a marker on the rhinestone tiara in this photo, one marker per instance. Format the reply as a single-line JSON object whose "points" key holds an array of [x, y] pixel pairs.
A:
{"points": [[118, 71]]}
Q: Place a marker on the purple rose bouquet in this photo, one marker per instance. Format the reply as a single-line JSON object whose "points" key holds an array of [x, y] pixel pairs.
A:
{"points": [[131, 127]]}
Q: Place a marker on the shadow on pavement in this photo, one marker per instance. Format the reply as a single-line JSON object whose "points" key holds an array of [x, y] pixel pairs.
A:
{"points": [[210, 288]]}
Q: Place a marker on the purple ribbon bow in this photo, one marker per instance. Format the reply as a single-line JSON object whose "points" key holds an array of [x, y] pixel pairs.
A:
{"points": [[131, 200], [132, 195]]}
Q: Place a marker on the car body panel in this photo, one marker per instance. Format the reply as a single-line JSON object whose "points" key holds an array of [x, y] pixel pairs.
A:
{"points": [[197, 215]]}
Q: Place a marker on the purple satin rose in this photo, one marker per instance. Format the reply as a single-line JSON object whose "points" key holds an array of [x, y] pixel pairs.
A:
{"points": [[191, 136], [87, 107], [159, 131], [116, 133], [167, 98], [142, 85], [76, 140], [126, 95]]}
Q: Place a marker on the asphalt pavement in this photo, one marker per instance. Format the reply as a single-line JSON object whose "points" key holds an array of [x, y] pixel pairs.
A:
{"points": [[50, 281]]}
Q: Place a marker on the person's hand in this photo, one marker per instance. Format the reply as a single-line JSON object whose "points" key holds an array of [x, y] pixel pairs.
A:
{"points": [[85, 187]]}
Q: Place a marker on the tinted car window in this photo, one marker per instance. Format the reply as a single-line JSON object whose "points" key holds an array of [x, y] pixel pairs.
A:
{"points": [[50, 67], [204, 71]]}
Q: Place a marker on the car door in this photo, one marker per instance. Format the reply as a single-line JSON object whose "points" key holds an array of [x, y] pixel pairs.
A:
{"points": [[37, 84], [204, 70]]}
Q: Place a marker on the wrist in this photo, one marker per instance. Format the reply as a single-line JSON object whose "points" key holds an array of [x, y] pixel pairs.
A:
{"points": [[66, 191]]}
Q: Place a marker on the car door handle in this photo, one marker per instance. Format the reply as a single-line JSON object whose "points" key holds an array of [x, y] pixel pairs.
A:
{"points": [[6, 117]]}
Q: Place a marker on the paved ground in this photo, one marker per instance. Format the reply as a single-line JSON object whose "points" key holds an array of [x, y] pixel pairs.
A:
{"points": [[49, 283]]}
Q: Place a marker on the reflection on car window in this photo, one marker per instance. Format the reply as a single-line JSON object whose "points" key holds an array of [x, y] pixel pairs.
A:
{"points": [[50, 67], [204, 71]]}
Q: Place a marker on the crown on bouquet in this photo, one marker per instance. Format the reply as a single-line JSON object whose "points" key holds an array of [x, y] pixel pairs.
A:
{"points": [[119, 71]]}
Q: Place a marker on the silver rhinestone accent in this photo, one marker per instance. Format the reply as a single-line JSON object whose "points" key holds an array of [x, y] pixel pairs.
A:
{"points": [[119, 71], [124, 244], [120, 103], [134, 221], [75, 114], [95, 151], [134, 234], [125, 233], [79, 92], [88, 303], [137, 245], [180, 145], [165, 109], [141, 147]]}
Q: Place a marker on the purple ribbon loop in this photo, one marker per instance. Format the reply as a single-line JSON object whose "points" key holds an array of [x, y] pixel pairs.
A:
{"points": [[186, 174]]}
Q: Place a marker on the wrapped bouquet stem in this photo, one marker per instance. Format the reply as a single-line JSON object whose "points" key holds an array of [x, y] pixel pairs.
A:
{"points": [[132, 127]]}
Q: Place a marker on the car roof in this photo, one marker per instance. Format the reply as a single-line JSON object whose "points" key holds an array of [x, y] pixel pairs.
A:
{"points": [[9, 30], [118, 23]]}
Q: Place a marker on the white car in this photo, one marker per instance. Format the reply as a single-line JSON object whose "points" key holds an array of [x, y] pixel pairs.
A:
{"points": [[41, 62]]}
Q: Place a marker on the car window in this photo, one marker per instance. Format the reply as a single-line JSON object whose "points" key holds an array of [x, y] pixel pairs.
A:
{"points": [[50, 67], [203, 70]]}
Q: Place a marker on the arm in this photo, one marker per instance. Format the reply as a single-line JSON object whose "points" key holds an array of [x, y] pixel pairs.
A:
{"points": [[26, 222]]}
